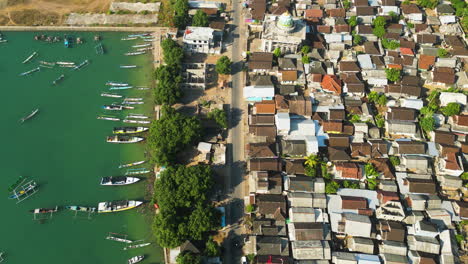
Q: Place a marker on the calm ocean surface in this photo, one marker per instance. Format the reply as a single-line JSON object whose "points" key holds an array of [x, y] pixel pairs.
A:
{"points": [[63, 148]]}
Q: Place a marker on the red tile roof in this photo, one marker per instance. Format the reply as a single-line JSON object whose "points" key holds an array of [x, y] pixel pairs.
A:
{"points": [[406, 51], [313, 13], [331, 83], [349, 170], [426, 61], [461, 120]]}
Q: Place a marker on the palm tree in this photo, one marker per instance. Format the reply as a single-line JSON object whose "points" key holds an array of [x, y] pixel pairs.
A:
{"points": [[312, 161]]}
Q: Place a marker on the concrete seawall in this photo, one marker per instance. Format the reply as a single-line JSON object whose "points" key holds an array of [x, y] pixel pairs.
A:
{"points": [[75, 28]]}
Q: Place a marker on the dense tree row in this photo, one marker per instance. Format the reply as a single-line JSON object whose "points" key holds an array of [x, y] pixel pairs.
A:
{"points": [[184, 210], [167, 76]]}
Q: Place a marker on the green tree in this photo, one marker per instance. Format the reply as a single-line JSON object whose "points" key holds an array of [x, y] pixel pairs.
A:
{"points": [[464, 176], [167, 90], [184, 211], [393, 74], [223, 65], [172, 52], [427, 123], [203, 219], [394, 160], [379, 21], [200, 19], [370, 171], [442, 53], [395, 16], [312, 161], [249, 208], [305, 49], [331, 187], [390, 44], [181, 8], [346, 4], [451, 109], [373, 97], [382, 100], [277, 52], [357, 39], [305, 59], [410, 25], [379, 32], [350, 184], [219, 116], [379, 121], [428, 3], [172, 133], [353, 21], [188, 257], [212, 248], [354, 118]]}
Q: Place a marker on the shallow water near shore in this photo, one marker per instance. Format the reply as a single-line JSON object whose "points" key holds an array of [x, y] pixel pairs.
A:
{"points": [[63, 149]]}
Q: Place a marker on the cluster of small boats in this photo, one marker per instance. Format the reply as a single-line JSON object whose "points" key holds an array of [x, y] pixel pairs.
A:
{"points": [[142, 47], [2, 39]]}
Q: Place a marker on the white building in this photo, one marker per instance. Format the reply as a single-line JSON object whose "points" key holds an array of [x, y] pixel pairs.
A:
{"points": [[283, 32], [199, 39]]}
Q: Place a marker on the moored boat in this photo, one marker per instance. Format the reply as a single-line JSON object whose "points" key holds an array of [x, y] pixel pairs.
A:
{"points": [[110, 118], [134, 53], [133, 99], [31, 71], [29, 188], [137, 171], [131, 121], [132, 164], [141, 45], [132, 102], [124, 139], [127, 66], [116, 84], [65, 63], [28, 59], [139, 116], [137, 246], [111, 95], [113, 107], [33, 113], [129, 130], [118, 239], [81, 65], [118, 180], [120, 87], [78, 208], [56, 81], [135, 259], [117, 206], [44, 210], [129, 38]]}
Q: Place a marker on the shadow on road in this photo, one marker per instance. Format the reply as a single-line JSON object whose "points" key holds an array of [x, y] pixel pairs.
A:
{"points": [[237, 67]]}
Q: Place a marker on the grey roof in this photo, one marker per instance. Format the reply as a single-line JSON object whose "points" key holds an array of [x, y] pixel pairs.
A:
{"points": [[294, 147], [287, 63], [262, 80], [445, 9]]}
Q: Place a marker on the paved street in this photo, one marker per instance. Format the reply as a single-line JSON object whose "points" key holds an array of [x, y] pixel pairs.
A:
{"points": [[236, 164]]}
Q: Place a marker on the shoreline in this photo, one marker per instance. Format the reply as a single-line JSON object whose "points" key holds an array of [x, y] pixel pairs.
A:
{"points": [[80, 28]]}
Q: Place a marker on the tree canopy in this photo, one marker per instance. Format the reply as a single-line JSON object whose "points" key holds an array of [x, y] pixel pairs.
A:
{"points": [[212, 248], [181, 8], [451, 109], [223, 65], [200, 19], [167, 90], [379, 21], [172, 52], [188, 257], [393, 74], [172, 133], [353, 21], [390, 44], [182, 196], [277, 52], [219, 116], [428, 3], [442, 53], [305, 49], [379, 32]]}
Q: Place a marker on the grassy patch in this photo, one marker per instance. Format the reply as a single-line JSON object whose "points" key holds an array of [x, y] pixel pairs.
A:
{"points": [[31, 17]]}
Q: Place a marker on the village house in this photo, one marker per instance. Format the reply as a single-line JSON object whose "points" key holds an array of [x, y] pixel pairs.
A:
{"points": [[283, 32]]}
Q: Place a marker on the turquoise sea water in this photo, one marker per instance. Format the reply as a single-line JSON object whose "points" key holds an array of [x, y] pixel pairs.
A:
{"points": [[63, 148]]}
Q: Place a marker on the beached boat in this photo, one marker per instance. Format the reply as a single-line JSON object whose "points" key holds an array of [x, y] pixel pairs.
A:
{"points": [[33, 113], [111, 95], [120, 87], [137, 116], [110, 118], [137, 171], [148, 39], [27, 189], [129, 130], [116, 107], [132, 164], [81, 65], [28, 59], [137, 246], [58, 79], [134, 53], [135, 259], [78, 208], [127, 66], [44, 210], [144, 49], [142, 88], [130, 121], [119, 180], [31, 71], [112, 237], [116, 84], [51, 64], [139, 35], [141, 45], [124, 139], [117, 206], [133, 99]]}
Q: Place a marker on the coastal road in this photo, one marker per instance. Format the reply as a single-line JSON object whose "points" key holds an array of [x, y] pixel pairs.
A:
{"points": [[234, 186]]}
